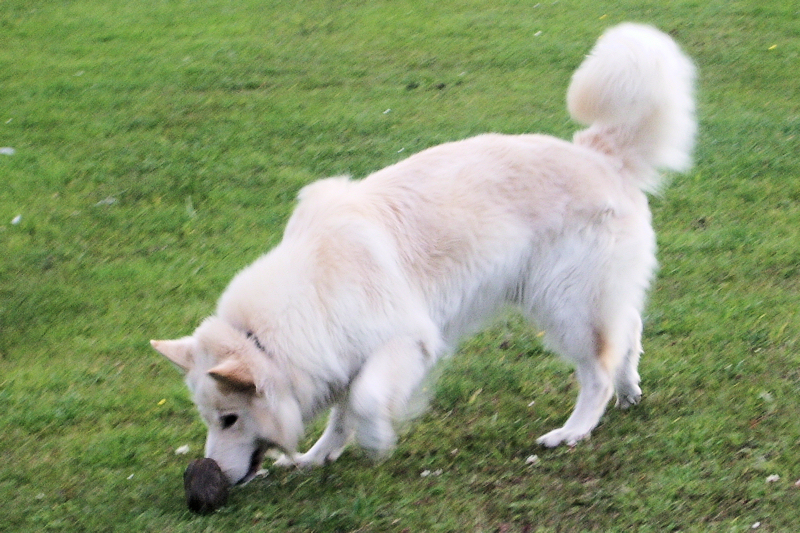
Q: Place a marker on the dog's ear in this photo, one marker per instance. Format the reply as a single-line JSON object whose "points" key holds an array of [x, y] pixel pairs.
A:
{"points": [[179, 352], [235, 375]]}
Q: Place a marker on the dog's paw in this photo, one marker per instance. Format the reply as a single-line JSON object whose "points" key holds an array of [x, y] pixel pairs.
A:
{"points": [[561, 436], [305, 460], [626, 401], [298, 460], [285, 461], [629, 397]]}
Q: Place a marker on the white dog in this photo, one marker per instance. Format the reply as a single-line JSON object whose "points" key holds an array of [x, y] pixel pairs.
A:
{"points": [[375, 280]]}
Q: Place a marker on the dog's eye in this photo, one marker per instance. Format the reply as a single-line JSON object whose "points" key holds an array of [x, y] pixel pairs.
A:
{"points": [[228, 420]]}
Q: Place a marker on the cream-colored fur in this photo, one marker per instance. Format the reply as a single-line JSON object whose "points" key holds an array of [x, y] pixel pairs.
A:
{"points": [[375, 280]]}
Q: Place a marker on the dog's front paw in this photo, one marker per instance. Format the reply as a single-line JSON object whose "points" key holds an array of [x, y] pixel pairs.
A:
{"points": [[561, 436], [285, 461], [297, 460], [304, 460]]}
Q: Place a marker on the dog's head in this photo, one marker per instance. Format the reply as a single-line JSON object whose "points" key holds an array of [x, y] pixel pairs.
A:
{"points": [[242, 394]]}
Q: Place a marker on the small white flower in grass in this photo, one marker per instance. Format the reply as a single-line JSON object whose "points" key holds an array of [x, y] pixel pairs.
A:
{"points": [[182, 450], [109, 200], [7, 150], [773, 478]]}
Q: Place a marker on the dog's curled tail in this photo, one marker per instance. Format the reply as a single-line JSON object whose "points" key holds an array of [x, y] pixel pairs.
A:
{"points": [[635, 91]]}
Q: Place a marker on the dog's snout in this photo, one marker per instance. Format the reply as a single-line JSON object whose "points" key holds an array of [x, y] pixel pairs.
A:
{"points": [[256, 458]]}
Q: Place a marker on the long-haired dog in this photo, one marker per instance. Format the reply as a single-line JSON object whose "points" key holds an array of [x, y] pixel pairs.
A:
{"points": [[375, 280]]}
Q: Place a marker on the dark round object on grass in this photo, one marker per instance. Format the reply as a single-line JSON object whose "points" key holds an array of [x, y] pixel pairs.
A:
{"points": [[206, 486]]}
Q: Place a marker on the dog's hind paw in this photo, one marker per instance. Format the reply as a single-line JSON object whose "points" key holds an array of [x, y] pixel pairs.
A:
{"points": [[628, 398], [624, 402]]}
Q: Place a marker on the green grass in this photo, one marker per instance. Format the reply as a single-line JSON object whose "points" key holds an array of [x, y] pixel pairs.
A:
{"points": [[159, 146]]}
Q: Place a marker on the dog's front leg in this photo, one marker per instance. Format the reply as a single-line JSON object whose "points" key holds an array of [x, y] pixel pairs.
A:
{"points": [[329, 446], [381, 393]]}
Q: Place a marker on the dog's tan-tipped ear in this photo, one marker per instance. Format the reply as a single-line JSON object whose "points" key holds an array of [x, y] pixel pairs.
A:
{"points": [[234, 374], [178, 351]]}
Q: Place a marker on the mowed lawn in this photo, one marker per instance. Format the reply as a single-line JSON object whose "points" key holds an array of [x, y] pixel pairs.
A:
{"points": [[149, 150]]}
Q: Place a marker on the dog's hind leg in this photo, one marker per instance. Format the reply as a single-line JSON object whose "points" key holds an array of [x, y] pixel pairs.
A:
{"points": [[596, 390], [605, 360], [626, 381], [331, 443]]}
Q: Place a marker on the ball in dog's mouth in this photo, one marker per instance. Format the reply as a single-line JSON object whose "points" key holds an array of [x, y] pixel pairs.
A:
{"points": [[206, 486]]}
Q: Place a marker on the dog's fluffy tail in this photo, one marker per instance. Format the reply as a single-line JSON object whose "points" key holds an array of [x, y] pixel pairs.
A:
{"points": [[635, 91]]}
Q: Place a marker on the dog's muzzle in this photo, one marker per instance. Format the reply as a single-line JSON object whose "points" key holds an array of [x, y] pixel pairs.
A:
{"points": [[256, 459]]}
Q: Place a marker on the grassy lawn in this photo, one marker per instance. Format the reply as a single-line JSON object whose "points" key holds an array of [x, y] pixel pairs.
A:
{"points": [[157, 149]]}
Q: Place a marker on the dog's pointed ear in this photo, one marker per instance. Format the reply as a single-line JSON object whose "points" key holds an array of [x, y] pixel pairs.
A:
{"points": [[178, 351], [234, 374]]}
